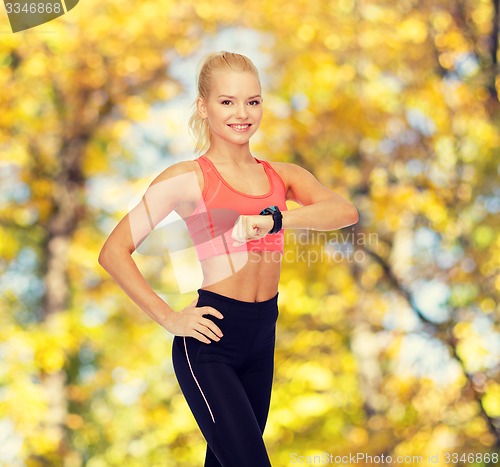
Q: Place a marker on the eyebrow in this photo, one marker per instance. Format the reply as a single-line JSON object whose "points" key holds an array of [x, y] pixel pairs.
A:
{"points": [[233, 97]]}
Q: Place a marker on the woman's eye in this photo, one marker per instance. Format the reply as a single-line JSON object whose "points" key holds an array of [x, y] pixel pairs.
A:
{"points": [[226, 102], [254, 102]]}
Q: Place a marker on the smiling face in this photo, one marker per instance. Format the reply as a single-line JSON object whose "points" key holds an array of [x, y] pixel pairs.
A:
{"points": [[233, 108]]}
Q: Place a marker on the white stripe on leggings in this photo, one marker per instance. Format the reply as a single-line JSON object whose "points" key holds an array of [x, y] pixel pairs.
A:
{"points": [[196, 381]]}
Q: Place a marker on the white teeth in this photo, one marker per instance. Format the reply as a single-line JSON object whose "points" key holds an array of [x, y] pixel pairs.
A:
{"points": [[239, 127]]}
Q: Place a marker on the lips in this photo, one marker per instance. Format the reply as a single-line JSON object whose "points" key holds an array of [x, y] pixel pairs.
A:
{"points": [[240, 127]]}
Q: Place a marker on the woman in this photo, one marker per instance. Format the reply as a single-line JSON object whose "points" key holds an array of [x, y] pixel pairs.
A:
{"points": [[234, 206]]}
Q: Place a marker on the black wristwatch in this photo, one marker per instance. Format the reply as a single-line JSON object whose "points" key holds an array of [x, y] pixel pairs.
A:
{"points": [[277, 217]]}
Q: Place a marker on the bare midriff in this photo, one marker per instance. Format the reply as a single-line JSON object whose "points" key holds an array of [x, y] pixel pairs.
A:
{"points": [[250, 277]]}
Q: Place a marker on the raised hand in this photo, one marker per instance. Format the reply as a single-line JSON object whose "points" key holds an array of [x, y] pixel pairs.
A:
{"points": [[251, 228]]}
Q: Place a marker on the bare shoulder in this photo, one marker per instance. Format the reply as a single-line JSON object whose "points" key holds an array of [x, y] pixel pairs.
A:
{"points": [[301, 185], [285, 166], [289, 171], [177, 169], [181, 181]]}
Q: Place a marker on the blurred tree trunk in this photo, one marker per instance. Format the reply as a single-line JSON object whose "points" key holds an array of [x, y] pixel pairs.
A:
{"points": [[68, 207], [494, 51]]}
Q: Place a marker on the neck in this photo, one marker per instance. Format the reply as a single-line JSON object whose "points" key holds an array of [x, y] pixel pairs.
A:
{"points": [[230, 153]]}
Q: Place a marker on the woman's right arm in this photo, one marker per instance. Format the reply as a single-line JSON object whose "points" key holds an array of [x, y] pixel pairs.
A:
{"points": [[173, 186]]}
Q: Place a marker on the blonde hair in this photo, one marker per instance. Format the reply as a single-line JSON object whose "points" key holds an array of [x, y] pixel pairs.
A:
{"points": [[223, 60]]}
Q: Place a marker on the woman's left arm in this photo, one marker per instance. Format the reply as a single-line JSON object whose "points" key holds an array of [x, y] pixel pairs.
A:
{"points": [[321, 208]]}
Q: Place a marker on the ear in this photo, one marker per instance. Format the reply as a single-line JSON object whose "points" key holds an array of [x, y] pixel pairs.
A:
{"points": [[201, 107]]}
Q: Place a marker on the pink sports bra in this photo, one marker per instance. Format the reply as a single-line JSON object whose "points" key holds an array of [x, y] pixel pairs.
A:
{"points": [[211, 223]]}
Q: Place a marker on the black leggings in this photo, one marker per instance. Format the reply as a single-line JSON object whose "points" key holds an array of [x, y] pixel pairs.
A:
{"points": [[227, 384]]}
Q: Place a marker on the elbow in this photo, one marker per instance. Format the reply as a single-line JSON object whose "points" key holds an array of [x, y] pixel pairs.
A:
{"points": [[102, 259], [350, 216], [111, 253], [353, 215], [105, 256]]}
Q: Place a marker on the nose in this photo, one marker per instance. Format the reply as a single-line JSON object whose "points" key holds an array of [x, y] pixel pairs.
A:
{"points": [[241, 112]]}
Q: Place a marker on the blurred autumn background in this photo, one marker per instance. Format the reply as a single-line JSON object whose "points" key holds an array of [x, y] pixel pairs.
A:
{"points": [[388, 336]]}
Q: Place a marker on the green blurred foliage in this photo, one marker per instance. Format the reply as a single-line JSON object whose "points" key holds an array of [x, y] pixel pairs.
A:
{"points": [[392, 104]]}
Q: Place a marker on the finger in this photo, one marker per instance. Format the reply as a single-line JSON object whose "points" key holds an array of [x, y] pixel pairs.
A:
{"points": [[198, 335], [242, 233], [255, 230], [238, 241], [206, 331], [212, 328], [236, 232], [209, 310]]}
